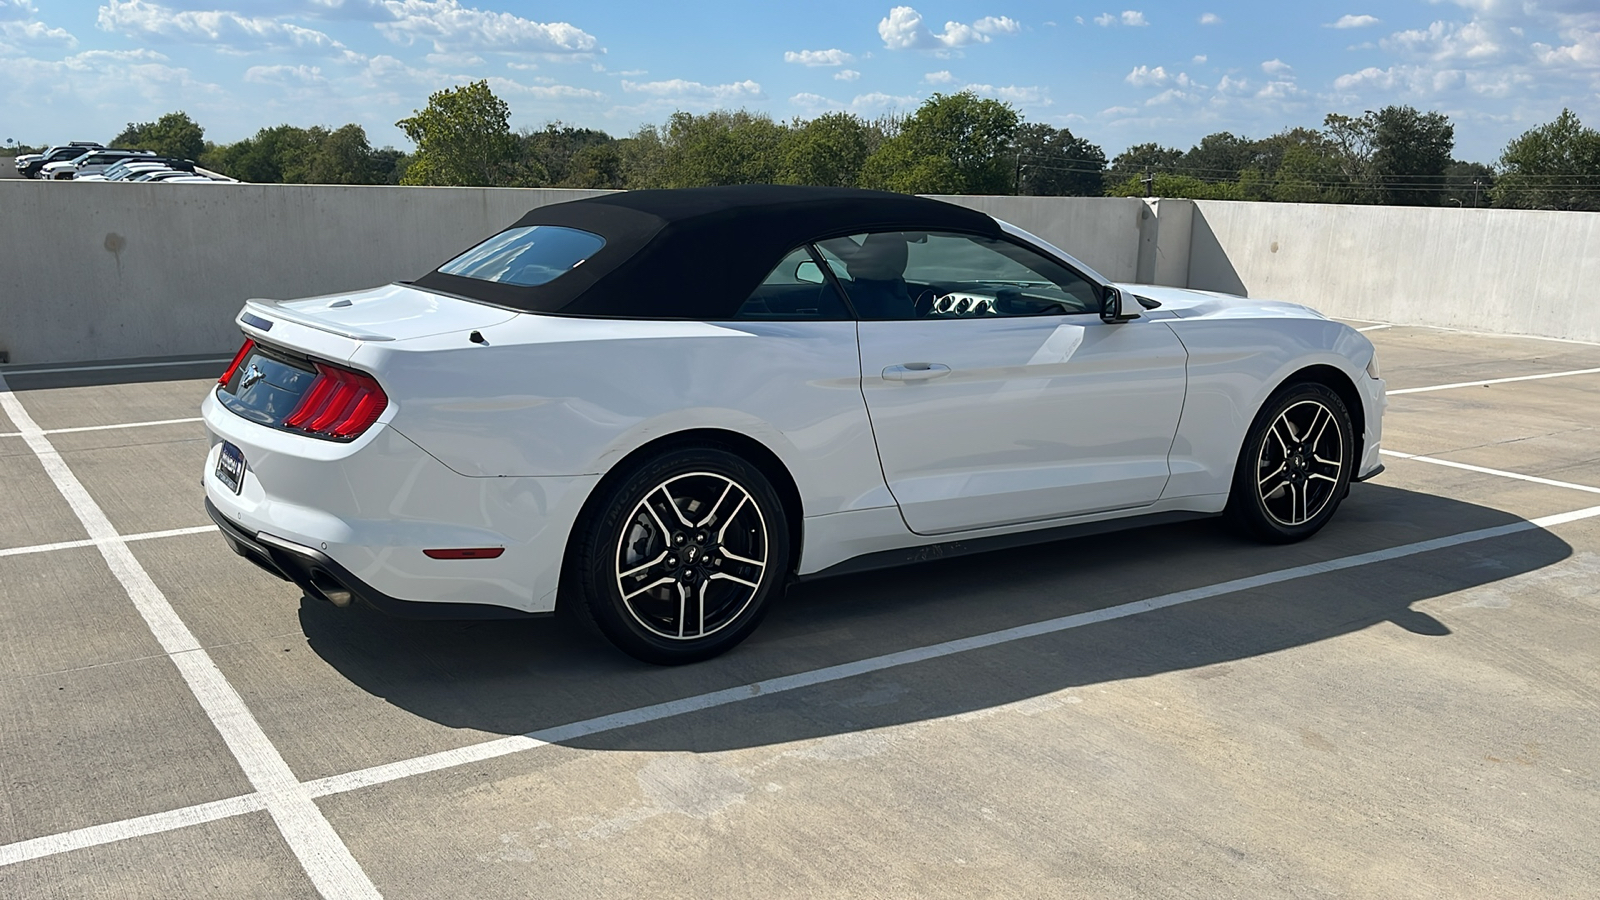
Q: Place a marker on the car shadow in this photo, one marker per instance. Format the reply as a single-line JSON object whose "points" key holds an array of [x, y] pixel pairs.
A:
{"points": [[525, 676]]}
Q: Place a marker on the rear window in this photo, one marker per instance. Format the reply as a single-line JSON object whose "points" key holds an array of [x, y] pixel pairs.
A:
{"points": [[529, 256]]}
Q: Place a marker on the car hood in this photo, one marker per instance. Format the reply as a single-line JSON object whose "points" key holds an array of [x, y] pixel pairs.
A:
{"points": [[394, 312], [1191, 304]]}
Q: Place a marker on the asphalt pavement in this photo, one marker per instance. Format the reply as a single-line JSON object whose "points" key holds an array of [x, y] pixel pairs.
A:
{"points": [[1404, 706]]}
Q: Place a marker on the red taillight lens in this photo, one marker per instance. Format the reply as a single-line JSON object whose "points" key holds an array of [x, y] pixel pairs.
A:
{"points": [[238, 360], [340, 404]]}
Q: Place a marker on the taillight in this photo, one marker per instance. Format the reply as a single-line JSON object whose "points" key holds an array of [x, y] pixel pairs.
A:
{"points": [[238, 360], [340, 404]]}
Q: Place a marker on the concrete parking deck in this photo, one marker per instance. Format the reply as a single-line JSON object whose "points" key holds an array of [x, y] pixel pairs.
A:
{"points": [[1404, 706]]}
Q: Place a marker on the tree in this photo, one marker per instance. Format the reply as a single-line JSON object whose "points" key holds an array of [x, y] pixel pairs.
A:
{"points": [[1223, 156], [341, 156], [174, 134], [1554, 166], [1052, 162], [555, 148], [1468, 184], [1182, 186], [952, 144], [464, 138], [1411, 151], [720, 148], [828, 151], [1141, 159]]}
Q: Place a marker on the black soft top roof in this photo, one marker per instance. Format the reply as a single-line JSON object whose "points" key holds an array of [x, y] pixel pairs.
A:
{"points": [[698, 253]]}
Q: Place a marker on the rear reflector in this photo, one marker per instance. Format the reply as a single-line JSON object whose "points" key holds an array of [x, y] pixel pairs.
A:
{"points": [[340, 404], [238, 358], [472, 553]]}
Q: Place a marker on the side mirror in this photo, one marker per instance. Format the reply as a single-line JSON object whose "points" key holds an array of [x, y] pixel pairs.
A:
{"points": [[1115, 306], [808, 272]]}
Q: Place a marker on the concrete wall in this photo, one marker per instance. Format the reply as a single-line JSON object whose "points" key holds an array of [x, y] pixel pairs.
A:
{"points": [[106, 271], [1494, 270], [1104, 232]]}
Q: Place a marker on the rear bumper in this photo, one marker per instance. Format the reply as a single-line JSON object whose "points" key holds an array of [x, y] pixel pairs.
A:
{"points": [[373, 506], [324, 579]]}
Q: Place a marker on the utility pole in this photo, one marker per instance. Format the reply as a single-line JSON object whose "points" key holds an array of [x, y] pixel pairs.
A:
{"points": [[1475, 184], [1149, 182]]}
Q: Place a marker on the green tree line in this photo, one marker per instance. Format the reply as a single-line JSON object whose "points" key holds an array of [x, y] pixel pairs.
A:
{"points": [[952, 144]]}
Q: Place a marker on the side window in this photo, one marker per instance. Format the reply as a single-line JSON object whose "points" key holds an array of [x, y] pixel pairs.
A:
{"points": [[796, 289], [933, 275]]}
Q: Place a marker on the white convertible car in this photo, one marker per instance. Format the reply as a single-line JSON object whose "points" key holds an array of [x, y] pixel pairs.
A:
{"points": [[658, 408]]}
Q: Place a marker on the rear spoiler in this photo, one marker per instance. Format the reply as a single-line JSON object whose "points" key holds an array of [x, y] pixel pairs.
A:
{"points": [[274, 309]]}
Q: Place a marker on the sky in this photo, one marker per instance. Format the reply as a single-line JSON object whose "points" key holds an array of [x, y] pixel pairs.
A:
{"points": [[1159, 71]]}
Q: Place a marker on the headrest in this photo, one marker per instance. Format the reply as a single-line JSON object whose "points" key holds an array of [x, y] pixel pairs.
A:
{"points": [[882, 257]]}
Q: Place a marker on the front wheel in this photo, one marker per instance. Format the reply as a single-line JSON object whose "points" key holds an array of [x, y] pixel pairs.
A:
{"points": [[1295, 465], [678, 561]]}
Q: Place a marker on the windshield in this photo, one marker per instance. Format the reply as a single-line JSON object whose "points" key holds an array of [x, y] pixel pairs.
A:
{"points": [[528, 256]]}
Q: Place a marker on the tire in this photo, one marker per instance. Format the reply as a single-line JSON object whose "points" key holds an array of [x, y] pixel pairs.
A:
{"points": [[680, 558], [1294, 468]]}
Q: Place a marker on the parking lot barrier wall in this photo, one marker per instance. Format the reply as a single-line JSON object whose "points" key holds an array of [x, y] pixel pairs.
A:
{"points": [[1501, 271], [114, 271], [108, 271]]}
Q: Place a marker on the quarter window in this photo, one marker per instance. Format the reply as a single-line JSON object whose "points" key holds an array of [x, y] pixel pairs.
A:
{"points": [[527, 256], [923, 275]]}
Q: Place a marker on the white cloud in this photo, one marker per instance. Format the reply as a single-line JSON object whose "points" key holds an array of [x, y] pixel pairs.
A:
{"points": [[35, 34], [814, 102], [1132, 18], [1144, 76], [679, 89], [1353, 22], [1276, 67], [453, 27], [903, 29], [542, 92], [457, 60], [1210, 19], [285, 75], [1119, 111], [1231, 85], [149, 21], [878, 101], [846, 75], [941, 77], [1446, 41], [1279, 90], [1031, 95], [818, 57], [1199, 60]]}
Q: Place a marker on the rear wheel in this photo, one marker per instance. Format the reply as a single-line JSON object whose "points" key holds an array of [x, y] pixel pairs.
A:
{"points": [[1295, 465], [678, 561]]}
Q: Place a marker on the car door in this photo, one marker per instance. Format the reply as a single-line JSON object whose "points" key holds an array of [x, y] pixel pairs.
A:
{"points": [[996, 393]]}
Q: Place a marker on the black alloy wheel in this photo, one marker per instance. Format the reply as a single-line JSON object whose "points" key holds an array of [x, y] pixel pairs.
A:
{"points": [[677, 563], [1295, 465]]}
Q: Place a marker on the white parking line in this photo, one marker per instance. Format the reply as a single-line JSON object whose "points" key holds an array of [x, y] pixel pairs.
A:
{"points": [[81, 428], [1462, 384], [91, 542], [164, 364], [1500, 472], [323, 787], [326, 859], [1375, 328]]}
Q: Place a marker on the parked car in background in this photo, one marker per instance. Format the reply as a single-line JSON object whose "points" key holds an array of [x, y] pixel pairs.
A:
{"points": [[656, 408], [61, 153], [92, 163], [124, 169]]}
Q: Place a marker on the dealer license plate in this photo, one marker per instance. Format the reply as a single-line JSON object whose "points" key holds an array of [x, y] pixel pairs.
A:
{"points": [[230, 467]]}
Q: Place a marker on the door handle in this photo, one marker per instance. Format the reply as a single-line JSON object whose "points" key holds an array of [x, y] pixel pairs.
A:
{"points": [[917, 371]]}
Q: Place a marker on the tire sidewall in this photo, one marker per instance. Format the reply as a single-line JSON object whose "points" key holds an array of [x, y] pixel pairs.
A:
{"points": [[596, 561], [1245, 505]]}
